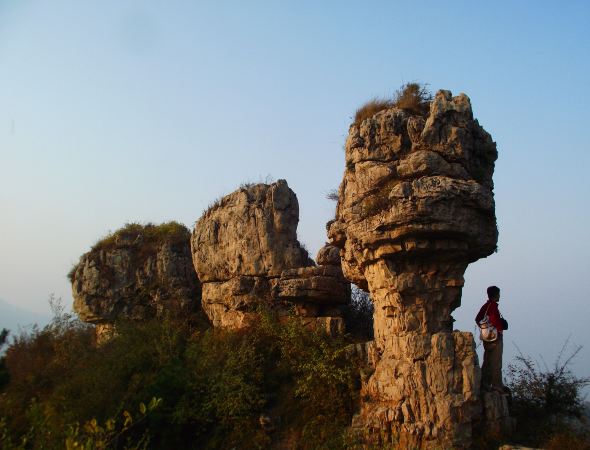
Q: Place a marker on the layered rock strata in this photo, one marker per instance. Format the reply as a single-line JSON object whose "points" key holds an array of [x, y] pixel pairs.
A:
{"points": [[318, 292], [246, 253], [415, 207], [137, 273]]}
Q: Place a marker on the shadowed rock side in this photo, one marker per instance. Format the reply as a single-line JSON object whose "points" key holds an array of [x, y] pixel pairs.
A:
{"points": [[246, 253], [137, 273], [415, 207]]}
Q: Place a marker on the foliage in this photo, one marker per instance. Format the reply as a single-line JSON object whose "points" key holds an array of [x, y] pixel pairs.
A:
{"points": [[358, 315], [214, 385], [546, 402], [332, 195], [89, 436], [371, 108], [413, 98]]}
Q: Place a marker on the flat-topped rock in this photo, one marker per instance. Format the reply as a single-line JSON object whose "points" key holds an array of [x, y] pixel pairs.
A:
{"points": [[136, 273]]}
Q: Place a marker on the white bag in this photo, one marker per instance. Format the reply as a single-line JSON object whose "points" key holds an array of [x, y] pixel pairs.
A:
{"points": [[487, 332]]}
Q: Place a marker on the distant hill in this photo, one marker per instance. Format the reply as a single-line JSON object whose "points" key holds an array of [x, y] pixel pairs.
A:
{"points": [[11, 317]]}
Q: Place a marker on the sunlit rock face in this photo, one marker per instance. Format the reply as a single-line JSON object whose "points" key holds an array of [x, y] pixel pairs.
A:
{"points": [[137, 273], [246, 254], [415, 207]]}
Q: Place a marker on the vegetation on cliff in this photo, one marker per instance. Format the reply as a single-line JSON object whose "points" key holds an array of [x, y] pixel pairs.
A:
{"points": [[147, 236], [414, 98]]}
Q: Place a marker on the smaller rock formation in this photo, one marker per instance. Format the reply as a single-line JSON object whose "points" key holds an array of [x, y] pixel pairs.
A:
{"points": [[318, 291], [136, 273], [246, 253]]}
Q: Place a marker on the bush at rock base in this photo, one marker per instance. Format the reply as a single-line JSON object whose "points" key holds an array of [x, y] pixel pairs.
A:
{"points": [[548, 404], [216, 387]]}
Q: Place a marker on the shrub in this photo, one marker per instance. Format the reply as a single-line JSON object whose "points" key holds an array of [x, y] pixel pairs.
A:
{"points": [[332, 195], [414, 98], [214, 385], [371, 108], [545, 402]]}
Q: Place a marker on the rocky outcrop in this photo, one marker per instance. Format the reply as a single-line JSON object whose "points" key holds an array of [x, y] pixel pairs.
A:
{"points": [[246, 253], [415, 207], [318, 291], [137, 273]]}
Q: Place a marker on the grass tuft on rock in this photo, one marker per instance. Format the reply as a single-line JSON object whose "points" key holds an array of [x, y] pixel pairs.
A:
{"points": [[134, 233], [413, 98], [145, 236]]}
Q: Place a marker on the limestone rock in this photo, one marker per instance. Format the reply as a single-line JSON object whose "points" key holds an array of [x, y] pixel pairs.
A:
{"points": [[320, 284], [136, 273], [251, 232], [415, 207], [328, 255], [246, 253]]}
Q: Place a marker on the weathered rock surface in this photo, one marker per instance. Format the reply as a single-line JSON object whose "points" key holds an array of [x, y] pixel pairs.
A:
{"points": [[137, 273], [250, 232], [318, 291], [415, 207], [246, 253]]}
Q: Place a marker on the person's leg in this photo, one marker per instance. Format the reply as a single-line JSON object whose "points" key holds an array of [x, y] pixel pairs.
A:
{"points": [[486, 368], [496, 363]]}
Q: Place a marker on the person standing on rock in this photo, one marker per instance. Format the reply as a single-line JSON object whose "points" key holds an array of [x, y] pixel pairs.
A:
{"points": [[491, 369]]}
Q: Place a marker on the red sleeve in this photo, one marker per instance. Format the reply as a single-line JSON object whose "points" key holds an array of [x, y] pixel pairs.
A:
{"points": [[494, 315], [481, 313]]}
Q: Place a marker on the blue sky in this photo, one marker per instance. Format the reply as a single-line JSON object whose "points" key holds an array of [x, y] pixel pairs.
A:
{"points": [[120, 111]]}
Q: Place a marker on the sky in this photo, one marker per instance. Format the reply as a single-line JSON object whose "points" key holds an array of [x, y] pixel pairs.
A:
{"points": [[120, 111]]}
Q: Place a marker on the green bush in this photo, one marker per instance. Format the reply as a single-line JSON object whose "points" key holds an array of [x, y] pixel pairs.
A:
{"points": [[214, 385]]}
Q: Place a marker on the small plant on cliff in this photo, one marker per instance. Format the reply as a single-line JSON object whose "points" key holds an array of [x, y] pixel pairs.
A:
{"points": [[414, 98], [371, 108], [332, 195]]}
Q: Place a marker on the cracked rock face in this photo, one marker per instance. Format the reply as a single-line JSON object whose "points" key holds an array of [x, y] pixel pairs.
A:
{"points": [[136, 274], [415, 207], [246, 253]]}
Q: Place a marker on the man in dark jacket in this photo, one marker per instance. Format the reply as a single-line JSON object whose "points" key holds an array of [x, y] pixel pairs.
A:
{"points": [[491, 376]]}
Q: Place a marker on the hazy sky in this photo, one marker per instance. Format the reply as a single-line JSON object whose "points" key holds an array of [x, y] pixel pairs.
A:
{"points": [[118, 111]]}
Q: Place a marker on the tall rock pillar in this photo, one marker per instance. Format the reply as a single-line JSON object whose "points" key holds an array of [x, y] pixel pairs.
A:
{"points": [[415, 208]]}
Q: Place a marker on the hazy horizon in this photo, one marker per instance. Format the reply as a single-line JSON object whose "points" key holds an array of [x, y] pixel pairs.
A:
{"points": [[144, 112]]}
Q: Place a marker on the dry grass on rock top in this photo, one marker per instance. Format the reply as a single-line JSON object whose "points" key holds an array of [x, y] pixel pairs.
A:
{"points": [[413, 98]]}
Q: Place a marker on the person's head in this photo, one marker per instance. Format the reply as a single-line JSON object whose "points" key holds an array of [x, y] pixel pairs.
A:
{"points": [[494, 293]]}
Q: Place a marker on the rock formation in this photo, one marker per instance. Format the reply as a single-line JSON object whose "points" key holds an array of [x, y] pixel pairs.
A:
{"points": [[415, 208], [246, 253], [318, 291], [136, 273]]}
